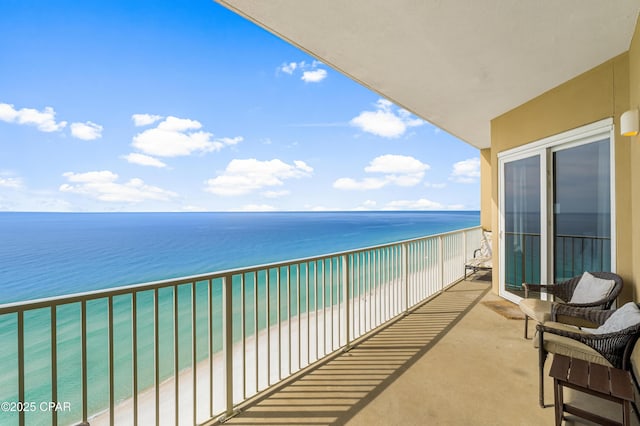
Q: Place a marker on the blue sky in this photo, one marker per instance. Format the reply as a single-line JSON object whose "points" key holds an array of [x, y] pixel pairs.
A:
{"points": [[185, 106]]}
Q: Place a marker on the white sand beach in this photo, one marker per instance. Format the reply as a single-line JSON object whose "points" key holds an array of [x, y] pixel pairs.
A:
{"points": [[301, 346]]}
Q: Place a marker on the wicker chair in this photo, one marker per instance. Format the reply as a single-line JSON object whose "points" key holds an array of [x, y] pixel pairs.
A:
{"points": [[610, 349], [540, 310]]}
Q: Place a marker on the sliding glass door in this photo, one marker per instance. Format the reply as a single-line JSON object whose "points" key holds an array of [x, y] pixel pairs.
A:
{"points": [[556, 199], [581, 209], [522, 216]]}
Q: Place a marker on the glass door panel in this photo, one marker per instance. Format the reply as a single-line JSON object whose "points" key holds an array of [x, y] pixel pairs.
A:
{"points": [[556, 215], [522, 218], [581, 209]]}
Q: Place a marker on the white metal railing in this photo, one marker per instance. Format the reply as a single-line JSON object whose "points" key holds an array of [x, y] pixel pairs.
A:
{"points": [[188, 350]]}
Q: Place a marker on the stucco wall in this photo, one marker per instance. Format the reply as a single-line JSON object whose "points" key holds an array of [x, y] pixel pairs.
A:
{"points": [[599, 93], [485, 189], [634, 146]]}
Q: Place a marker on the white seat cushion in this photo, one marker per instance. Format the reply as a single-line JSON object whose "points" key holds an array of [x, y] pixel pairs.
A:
{"points": [[591, 289], [539, 310], [624, 317], [569, 347]]}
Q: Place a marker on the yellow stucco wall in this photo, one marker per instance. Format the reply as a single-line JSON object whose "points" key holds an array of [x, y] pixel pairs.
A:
{"points": [[485, 189], [600, 93], [634, 146]]}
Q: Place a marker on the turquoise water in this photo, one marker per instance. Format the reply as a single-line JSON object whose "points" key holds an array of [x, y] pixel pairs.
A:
{"points": [[51, 254]]}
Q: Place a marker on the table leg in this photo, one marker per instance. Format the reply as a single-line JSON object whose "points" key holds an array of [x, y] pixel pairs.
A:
{"points": [[558, 401], [626, 413]]}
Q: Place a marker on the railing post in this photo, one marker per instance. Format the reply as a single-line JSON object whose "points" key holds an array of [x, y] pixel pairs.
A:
{"points": [[405, 276], [227, 342], [345, 294], [464, 251], [176, 355], [440, 263], [21, 413], [83, 343], [54, 363]]}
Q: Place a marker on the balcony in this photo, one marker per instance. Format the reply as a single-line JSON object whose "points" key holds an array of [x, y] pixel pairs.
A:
{"points": [[452, 361], [386, 333]]}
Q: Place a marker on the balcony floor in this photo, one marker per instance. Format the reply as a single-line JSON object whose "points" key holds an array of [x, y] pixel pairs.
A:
{"points": [[452, 361]]}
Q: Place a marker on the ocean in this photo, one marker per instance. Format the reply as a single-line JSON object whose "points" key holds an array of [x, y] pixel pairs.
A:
{"points": [[51, 254]]}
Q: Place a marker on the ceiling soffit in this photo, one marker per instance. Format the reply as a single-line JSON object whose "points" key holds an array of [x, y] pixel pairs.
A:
{"points": [[455, 64]]}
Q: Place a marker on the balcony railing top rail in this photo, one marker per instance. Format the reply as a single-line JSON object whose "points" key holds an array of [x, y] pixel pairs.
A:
{"points": [[13, 307]]}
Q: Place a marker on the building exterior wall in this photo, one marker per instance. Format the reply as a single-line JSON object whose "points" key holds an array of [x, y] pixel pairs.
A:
{"points": [[634, 142], [485, 189], [599, 93]]}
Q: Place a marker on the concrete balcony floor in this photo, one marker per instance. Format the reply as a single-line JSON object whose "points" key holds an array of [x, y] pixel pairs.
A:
{"points": [[452, 361]]}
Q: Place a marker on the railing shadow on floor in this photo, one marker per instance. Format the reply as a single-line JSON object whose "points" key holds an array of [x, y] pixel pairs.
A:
{"points": [[335, 391]]}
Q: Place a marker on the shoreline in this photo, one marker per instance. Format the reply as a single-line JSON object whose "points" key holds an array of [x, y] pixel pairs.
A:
{"points": [[123, 411], [310, 344]]}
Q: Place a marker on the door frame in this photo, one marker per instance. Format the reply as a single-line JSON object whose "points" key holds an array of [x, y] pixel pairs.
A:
{"points": [[544, 148]]}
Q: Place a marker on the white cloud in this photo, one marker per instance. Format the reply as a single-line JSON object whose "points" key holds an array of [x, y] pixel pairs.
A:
{"points": [[10, 182], [400, 170], [230, 141], [310, 72], [102, 185], [143, 160], [380, 123], [314, 76], [44, 120], [145, 119], [175, 137], [175, 124], [86, 131], [421, 204], [466, 171], [391, 163], [366, 184], [384, 104], [102, 176], [384, 121], [301, 165], [245, 176], [289, 68]]}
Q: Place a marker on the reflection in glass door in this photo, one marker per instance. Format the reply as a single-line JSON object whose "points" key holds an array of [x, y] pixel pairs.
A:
{"points": [[556, 215], [581, 209], [522, 217]]}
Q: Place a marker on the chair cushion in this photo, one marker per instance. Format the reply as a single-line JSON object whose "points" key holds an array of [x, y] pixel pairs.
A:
{"points": [[624, 317], [539, 310], [569, 347], [486, 249], [591, 289], [480, 262]]}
